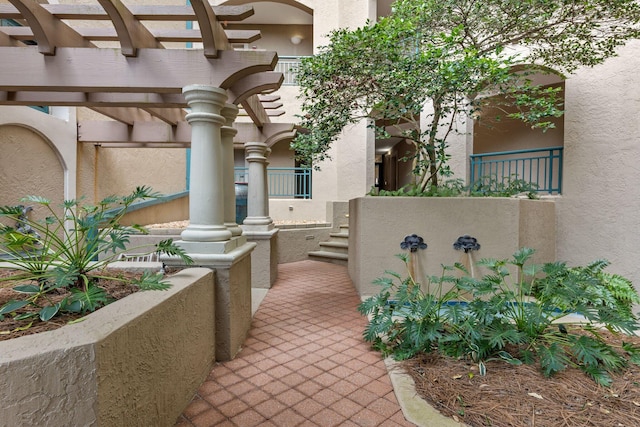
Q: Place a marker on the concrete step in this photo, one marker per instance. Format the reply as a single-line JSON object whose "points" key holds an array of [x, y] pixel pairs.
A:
{"points": [[338, 247], [333, 257], [341, 235]]}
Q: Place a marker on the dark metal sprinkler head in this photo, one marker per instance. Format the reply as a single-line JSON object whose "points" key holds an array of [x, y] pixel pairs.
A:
{"points": [[413, 243], [466, 243]]}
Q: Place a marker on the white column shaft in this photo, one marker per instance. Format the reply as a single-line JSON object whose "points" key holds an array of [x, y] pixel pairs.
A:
{"points": [[206, 192], [230, 112]]}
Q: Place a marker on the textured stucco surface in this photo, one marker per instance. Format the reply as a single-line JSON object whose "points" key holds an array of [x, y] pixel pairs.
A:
{"points": [[264, 258], [598, 211], [233, 307], [137, 361], [377, 226], [294, 243]]}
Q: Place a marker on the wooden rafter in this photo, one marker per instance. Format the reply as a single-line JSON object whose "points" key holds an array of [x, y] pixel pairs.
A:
{"points": [[49, 32], [131, 33]]}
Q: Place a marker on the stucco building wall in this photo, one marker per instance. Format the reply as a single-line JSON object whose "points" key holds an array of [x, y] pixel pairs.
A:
{"points": [[598, 213]]}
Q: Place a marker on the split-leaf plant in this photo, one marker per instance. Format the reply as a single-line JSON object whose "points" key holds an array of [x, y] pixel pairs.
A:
{"points": [[70, 250], [524, 320]]}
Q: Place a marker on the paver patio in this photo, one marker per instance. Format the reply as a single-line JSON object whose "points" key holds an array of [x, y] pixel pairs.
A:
{"points": [[304, 362]]}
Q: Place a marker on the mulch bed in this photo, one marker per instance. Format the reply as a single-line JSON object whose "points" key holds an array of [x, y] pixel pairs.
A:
{"points": [[520, 396], [10, 328]]}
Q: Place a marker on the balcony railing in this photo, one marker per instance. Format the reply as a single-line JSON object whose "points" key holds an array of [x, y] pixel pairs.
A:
{"points": [[294, 183], [288, 65], [542, 168]]}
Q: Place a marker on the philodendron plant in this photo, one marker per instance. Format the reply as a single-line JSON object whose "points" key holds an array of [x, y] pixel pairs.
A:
{"points": [[520, 320], [62, 252]]}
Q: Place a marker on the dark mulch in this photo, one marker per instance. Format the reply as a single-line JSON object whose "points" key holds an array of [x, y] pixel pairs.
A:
{"points": [[520, 396]]}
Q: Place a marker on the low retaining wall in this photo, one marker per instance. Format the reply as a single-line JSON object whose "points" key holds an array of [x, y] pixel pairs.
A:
{"points": [[136, 362], [377, 226], [296, 241]]}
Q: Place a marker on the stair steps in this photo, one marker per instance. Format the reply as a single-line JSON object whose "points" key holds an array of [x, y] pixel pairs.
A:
{"points": [[336, 249]]}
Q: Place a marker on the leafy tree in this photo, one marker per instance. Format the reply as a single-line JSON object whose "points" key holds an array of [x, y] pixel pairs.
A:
{"points": [[437, 60]]}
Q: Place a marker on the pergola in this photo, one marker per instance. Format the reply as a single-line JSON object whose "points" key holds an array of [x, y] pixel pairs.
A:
{"points": [[158, 92], [53, 59]]}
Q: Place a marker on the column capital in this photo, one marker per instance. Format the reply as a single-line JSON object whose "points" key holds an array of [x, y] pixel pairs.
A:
{"points": [[230, 112], [256, 151], [206, 103]]}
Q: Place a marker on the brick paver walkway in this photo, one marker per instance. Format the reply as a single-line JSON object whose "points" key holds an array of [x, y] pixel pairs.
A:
{"points": [[304, 362]]}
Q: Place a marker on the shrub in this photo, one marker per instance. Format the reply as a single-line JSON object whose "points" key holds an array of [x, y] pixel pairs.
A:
{"points": [[519, 321]]}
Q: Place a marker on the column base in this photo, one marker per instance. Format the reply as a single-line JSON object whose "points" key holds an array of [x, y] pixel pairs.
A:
{"points": [[232, 296], [264, 260], [257, 223], [206, 249], [234, 228], [205, 234]]}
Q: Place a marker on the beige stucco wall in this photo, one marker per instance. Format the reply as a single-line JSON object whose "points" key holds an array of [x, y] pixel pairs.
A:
{"points": [[377, 226], [233, 307], [294, 244], [38, 156], [135, 362], [598, 212]]}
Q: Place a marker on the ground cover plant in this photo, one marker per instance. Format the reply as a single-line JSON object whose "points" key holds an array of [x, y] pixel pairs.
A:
{"points": [[67, 254], [514, 317]]}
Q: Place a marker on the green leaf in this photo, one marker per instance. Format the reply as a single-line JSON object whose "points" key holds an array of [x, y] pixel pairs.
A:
{"points": [[47, 313], [90, 299], [12, 306], [553, 359], [24, 316], [599, 375], [152, 281], [27, 289]]}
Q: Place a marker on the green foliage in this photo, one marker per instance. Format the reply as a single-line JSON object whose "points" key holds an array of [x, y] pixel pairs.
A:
{"points": [[62, 252], [484, 187], [523, 320], [415, 73]]}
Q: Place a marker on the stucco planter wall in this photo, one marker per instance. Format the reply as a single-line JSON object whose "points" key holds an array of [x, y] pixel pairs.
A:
{"points": [[136, 362], [377, 226]]}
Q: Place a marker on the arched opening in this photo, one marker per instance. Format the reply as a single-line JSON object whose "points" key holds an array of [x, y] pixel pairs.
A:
{"points": [[507, 151]]}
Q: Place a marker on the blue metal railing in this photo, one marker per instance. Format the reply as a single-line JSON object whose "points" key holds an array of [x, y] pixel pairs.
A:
{"points": [[541, 167], [283, 182], [288, 66]]}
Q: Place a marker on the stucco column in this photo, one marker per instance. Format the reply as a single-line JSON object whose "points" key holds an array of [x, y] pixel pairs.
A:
{"points": [[258, 192], [206, 195], [229, 112]]}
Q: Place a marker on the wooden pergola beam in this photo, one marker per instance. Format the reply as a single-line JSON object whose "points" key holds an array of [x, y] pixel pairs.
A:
{"points": [[110, 34], [171, 116], [98, 99], [140, 132], [159, 134], [125, 115], [253, 107], [152, 70], [141, 12]]}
